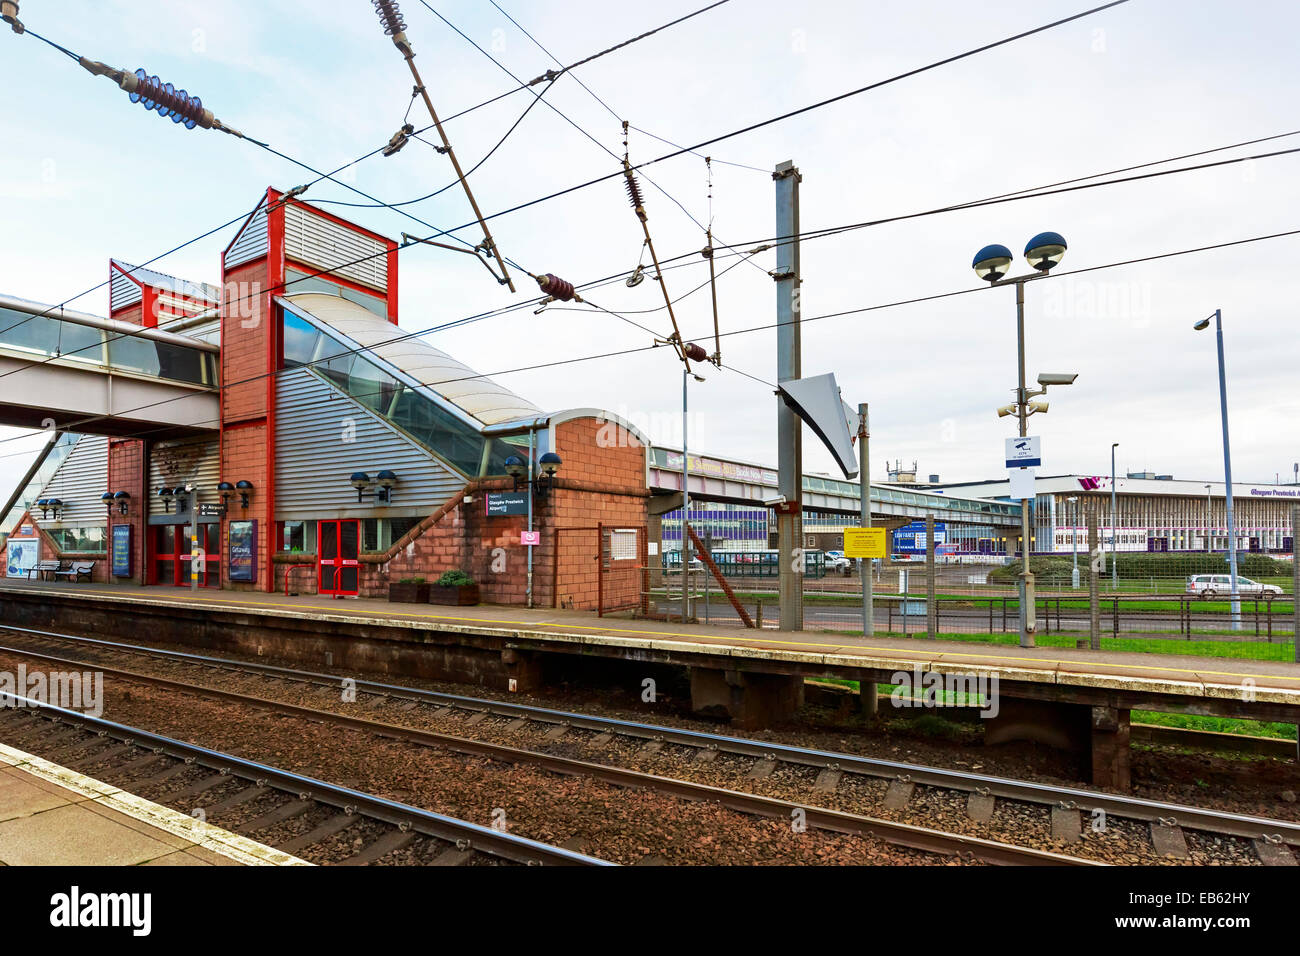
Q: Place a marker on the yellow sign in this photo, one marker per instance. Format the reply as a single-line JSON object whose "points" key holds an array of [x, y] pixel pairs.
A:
{"points": [[864, 542]]}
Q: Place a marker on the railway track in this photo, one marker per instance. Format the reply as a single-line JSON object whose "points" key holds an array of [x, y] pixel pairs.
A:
{"points": [[271, 802], [900, 834], [1270, 838]]}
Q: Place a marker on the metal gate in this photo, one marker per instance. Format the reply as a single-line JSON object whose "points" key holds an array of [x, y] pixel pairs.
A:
{"points": [[623, 575]]}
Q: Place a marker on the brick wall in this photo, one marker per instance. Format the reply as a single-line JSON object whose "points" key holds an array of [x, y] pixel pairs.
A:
{"points": [[602, 480], [243, 458], [126, 472], [244, 343]]}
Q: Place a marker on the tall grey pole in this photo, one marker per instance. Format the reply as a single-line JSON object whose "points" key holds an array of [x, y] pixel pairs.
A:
{"points": [[1227, 475], [864, 513], [532, 436], [789, 432], [1114, 568], [686, 511], [1026, 595]]}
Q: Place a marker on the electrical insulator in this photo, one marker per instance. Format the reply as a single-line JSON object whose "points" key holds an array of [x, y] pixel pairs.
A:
{"points": [[169, 102], [694, 352], [557, 288], [634, 193], [399, 139], [391, 16], [9, 14], [636, 278], [394, 24]]}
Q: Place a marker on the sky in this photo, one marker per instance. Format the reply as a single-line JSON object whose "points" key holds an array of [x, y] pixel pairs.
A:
{"points": [[85, 176]]}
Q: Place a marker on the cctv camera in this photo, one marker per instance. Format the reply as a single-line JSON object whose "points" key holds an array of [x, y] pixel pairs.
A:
{"points": [[775, 500], [1057, 378]]}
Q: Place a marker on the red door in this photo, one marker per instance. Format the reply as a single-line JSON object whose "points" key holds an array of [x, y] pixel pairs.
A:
{"points": [[171, 555], [339, 547]]}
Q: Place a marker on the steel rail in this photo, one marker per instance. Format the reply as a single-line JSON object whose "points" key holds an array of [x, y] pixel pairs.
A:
{"points": [[1135, 808], [462, 833], [902, 834]]}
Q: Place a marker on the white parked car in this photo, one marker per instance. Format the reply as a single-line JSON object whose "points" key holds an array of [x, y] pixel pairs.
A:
{"points": [[838, 563], [1215, 585]]}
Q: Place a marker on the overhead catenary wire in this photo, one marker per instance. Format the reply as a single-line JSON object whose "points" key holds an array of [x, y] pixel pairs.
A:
{"points": [[814, 234], [916, 300], [916, 71], [672, 262], [395, 28]]}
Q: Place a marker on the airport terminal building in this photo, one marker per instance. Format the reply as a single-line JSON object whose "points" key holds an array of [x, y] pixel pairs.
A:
{"points": [[1154, 513]]}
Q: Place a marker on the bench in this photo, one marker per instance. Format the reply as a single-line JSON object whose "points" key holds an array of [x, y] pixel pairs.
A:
{"points": [[42, 568], [76, 570]]}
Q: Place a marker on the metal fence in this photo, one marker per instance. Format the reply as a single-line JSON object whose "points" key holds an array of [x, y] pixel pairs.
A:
{"points": [[1175, 603]]}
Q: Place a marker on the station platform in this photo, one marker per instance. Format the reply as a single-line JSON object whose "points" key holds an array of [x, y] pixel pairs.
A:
{"points": [[53, 816], [753, 677], [1184, 673]]}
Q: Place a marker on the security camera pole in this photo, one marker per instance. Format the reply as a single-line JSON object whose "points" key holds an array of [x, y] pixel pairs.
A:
{"points": [[992, 263], [789, 427]]}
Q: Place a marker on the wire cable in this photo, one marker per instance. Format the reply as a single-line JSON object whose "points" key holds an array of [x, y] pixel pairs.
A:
{"points": [[1055, 274]]}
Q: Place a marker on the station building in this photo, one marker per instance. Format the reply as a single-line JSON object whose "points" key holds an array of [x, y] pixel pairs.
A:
{"points": [[339, 455]]}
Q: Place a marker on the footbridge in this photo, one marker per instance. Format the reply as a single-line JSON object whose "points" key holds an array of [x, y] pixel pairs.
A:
{"points": [[72, 371]]}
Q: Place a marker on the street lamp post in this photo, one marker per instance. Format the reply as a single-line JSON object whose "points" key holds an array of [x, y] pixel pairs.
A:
{"points": [[1074, 539], [1114, 540], [991, 263], [1227, 464]]}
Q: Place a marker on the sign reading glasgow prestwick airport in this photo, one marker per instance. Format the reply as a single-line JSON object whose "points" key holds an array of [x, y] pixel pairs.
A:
{"points": [[1276, 492], [501, 503]]}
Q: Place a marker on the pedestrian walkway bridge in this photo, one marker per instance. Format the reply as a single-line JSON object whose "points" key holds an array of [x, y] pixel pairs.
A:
{"points": [[102, 376]]}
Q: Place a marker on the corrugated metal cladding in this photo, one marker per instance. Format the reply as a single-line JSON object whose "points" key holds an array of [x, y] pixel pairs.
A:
{"points": [[173, 463], [316, 241], [122, 291], [322, 437], [251, 242], [79, 482]]}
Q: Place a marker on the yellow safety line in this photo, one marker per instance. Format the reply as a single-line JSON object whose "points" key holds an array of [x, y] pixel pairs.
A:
{"points": [[701, 637]]}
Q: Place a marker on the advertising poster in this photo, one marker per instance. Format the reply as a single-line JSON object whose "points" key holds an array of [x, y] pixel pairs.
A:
{"points": [[243, 551], [21, 557]]}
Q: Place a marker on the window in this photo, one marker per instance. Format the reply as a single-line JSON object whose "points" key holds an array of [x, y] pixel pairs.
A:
{"points": [[91, 539], [622, 545], [378, 534], [298, 537]]}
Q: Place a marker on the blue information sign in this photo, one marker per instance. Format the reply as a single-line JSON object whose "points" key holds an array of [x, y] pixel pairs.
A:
{"points": [[121, 551], [910, 538], [506, 503]]}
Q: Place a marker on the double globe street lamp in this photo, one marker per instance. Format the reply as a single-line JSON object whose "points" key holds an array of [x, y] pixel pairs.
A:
{"points": [[992, 263]]}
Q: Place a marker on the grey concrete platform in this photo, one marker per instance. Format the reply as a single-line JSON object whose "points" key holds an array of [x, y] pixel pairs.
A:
{"points": [[53, 816]]}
